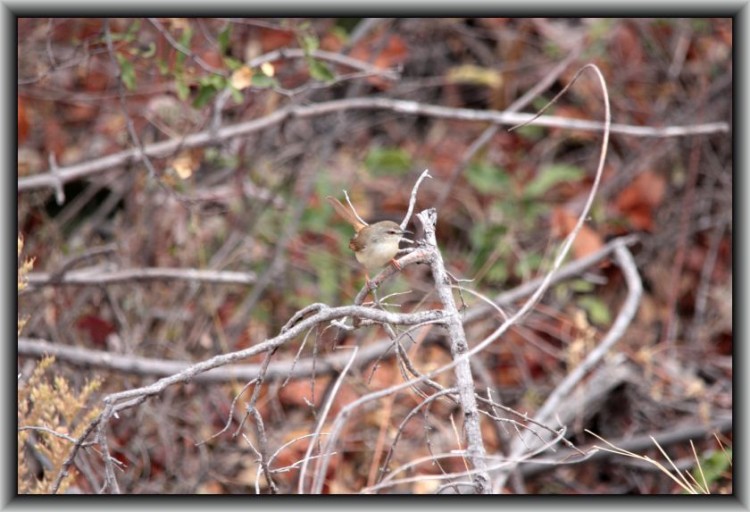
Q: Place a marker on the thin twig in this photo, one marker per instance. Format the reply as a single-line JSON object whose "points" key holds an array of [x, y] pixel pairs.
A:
{"points": [[400, 429], [319, 476], [413, 197]]}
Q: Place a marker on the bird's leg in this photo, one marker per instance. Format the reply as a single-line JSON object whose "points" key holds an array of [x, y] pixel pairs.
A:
{"points": [[370, 285]]}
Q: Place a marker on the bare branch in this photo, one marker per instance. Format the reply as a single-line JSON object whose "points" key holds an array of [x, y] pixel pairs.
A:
{"points": [[320, 475], [98, 276], [163, 149], [464, 380], [413, 197]]}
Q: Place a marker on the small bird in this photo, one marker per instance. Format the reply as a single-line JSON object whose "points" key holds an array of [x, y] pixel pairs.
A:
{"points": [[374, 245]]}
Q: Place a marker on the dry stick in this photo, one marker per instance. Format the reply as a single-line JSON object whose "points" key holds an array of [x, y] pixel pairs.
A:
{"points": [[48, 430], [523, 416], [281, 448], [70, 262], [230, 415], [321, 422], [413, 198], [402, 425], [464, 380], [323, 316], [263, 441], [98, 275], [71, 457], [627, 313], [701, 295], [259, 425], [110, 481], [687, 207], [165, 148]]}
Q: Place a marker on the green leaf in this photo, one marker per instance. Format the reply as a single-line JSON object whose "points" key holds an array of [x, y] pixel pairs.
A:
{"points": [[127, 73], [237, 95], [320, 71], [128, 36], [223, 38], [309, 43], [316, 220], [498, 273], [346, 25], [163, 67], [714, 464], [218, 82], [134, 28], [485, 240], [529, 212], [550, 176], [185, 38], [531, 132], [205, 94], [327, 270], [528, 264], [381, 161], [340, 33], [597, 310], [232, 63], [581, 285], [487, 178], [263, 81], [183, 90]]}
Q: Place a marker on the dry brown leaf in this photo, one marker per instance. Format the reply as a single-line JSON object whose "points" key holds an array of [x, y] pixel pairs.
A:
{"points": [[587, 242], [638, 199], [23, 121]]}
